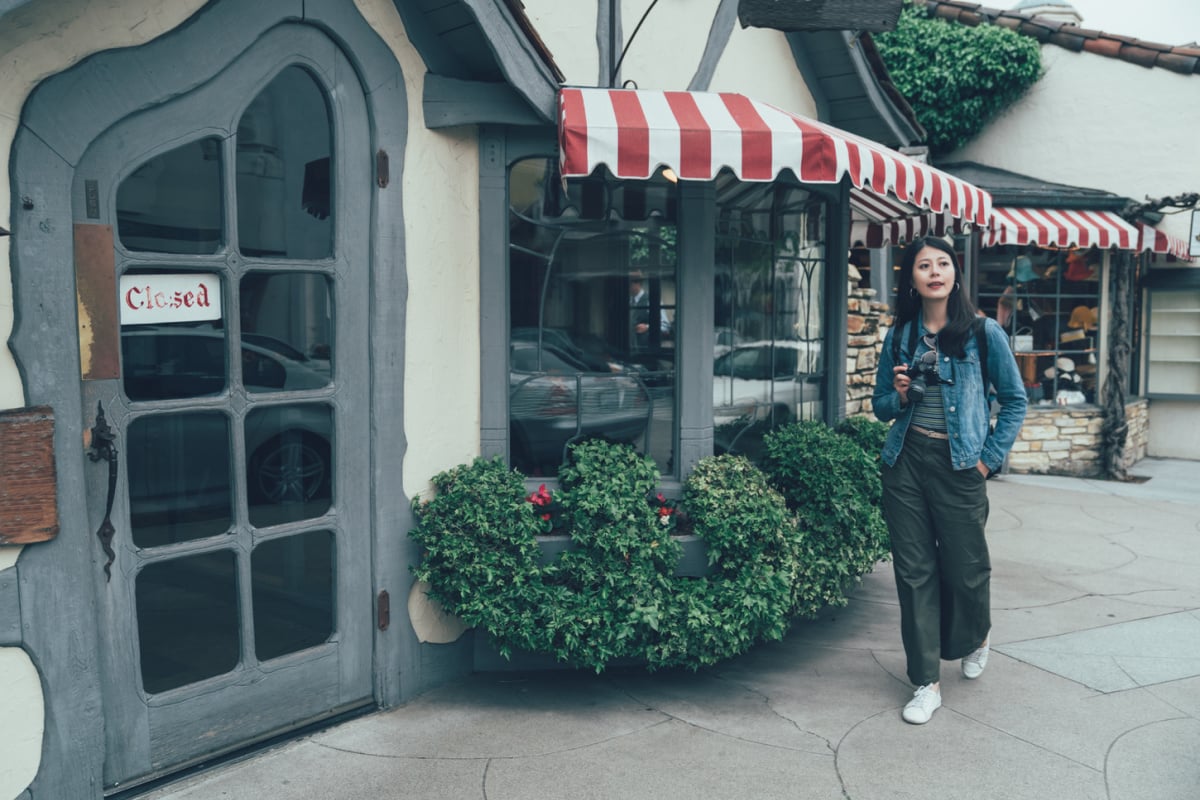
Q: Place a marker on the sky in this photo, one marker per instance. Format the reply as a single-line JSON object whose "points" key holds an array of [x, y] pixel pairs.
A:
{"points": [[1171, 22]]}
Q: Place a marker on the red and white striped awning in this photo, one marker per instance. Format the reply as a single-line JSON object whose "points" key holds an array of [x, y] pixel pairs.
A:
{"points": [[696, 134], [1058, 227], [879, 220], [1152, 240]]}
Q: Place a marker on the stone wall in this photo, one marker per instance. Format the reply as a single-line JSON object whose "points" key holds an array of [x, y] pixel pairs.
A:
{"points": [[1065, 440], [1055, 440], [867, 320]]}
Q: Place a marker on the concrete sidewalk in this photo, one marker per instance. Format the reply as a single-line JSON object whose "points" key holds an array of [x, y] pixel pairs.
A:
{"points": [[1092, 691]]}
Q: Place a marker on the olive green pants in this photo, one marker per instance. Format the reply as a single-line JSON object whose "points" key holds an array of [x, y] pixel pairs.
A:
{"points": [[936, 517]]}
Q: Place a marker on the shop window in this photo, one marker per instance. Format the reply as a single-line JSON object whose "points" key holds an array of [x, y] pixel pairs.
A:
{"points": [[1049, 302], [768, 368], [592, 311]]}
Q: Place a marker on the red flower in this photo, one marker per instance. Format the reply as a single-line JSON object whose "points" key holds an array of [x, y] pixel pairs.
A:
{"points": [[541, 497]]}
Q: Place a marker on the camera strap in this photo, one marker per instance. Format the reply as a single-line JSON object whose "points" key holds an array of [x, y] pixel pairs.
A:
{"points": [[980, 329]]}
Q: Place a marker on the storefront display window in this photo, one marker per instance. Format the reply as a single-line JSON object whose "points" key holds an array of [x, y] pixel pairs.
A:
{"points": [[596, 290], [1049, 302], [592, 310], [768, 368]]}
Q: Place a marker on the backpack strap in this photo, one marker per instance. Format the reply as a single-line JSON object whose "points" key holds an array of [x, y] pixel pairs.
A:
{"points": [[982, 343], [912, 341]]}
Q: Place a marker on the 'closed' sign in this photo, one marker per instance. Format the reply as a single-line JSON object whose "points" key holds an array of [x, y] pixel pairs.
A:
{"points": [[154, 299]]}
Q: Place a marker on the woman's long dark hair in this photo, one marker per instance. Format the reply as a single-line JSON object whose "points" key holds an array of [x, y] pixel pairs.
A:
{"points": [[960, 311]]}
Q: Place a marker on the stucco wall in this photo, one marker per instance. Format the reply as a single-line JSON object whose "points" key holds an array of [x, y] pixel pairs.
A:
{"points": [[759, 63], [755, 61], [441, 210], [1101, 123]]}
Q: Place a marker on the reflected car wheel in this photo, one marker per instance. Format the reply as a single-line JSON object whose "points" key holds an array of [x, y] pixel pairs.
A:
{"points": [[292, 468]]}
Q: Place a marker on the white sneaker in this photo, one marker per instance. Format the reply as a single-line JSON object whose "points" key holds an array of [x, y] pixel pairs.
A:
{"points": [[973, 664], [926, 700]]}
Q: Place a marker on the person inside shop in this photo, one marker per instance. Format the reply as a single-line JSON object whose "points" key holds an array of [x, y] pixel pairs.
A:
{"points": [[639, 303], [935, 463]]}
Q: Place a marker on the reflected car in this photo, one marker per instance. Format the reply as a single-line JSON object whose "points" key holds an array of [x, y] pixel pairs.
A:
{"points": [[289, 457], [767, 380], [555, 399]]}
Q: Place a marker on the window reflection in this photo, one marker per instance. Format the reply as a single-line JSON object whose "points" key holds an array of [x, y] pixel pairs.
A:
{"points": [[287, 331], [289, 466], [187, 612], [284, 171], [592, 278], [179, 477], [292, 587], [172, 203], [162, 362], [768, 367]]}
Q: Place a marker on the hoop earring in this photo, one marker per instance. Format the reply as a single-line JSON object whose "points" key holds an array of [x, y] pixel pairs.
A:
{"points": [[957, 286], [912, 292]]}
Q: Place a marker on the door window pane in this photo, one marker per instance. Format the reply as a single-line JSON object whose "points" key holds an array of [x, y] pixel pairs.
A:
{"points": [[293, 593], [165, 362], [284, 171], [768, 368], [172, 203], [187, 611], [287, 331], [592, 282], [179, 477], [289, 462]]}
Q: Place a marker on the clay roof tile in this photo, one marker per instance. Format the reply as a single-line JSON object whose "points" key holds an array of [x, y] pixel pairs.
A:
{"points": [[1103, 46], [1068, 41], [1177, 62], [1138, 55], [1184, 59], [1034, 29]]}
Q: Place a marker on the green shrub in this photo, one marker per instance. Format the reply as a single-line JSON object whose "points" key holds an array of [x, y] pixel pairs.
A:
{"points": [[833, 486], [868, 433], [615, 595]]}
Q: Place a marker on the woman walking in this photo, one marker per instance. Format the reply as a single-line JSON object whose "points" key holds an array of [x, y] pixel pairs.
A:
{"points": [[936, 363]]}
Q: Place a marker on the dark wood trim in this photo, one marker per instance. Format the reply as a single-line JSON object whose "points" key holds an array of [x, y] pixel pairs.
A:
{"points": [[450, 101]]}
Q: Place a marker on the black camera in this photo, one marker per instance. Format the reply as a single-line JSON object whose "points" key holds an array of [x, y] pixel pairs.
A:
{"points": [[920, 375]]}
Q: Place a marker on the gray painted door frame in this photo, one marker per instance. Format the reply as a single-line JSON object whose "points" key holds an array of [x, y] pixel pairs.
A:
{"points": [[150, 732], [59, 581]]}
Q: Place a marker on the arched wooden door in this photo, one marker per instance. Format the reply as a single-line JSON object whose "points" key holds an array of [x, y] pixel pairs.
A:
{"points": [[233, 224]]}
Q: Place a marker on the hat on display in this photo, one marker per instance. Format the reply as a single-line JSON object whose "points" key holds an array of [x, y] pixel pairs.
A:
{"points": [[1022, 270], [1078, 268], [1084, 317]]}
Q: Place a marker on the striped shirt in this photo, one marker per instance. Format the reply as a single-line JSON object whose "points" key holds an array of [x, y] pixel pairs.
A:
{"points": [[930, 413]]}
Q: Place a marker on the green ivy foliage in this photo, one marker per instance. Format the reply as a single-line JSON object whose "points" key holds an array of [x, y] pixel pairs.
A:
{"points": [[956, 77], [833, 485], [615, 595], [869, 434]]}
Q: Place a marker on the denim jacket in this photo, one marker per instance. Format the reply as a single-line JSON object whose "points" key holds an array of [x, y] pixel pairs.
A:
{"points": [[966, 402]]}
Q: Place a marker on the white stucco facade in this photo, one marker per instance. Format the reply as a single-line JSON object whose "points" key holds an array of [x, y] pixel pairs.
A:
{"points": [[441, 211], [1100, 123]]}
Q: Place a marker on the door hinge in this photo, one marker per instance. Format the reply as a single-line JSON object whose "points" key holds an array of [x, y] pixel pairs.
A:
{"points": [[384, 608], [382, 174]]}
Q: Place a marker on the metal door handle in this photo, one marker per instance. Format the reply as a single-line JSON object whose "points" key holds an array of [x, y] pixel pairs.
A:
{"points": [[103, 448]]}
